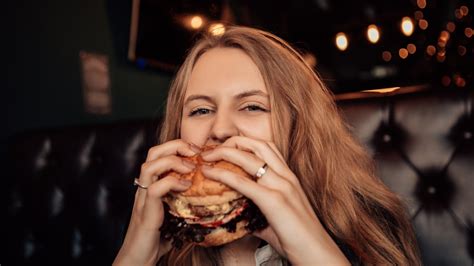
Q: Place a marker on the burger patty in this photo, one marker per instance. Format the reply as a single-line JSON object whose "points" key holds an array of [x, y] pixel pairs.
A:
{"points": [[212, 210], [176, 229]]}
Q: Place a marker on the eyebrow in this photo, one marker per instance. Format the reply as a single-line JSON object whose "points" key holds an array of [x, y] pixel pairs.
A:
{"points": [[238, 96]]}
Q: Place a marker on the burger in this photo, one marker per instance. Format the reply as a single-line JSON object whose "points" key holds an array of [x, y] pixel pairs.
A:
{"points": [[209, 213]]}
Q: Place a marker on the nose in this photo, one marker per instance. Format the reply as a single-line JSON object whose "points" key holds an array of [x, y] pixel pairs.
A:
{"points": [[222, 128]]}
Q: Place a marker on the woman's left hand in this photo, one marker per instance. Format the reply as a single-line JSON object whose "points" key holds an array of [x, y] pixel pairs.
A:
{"points": [[294, 229]]}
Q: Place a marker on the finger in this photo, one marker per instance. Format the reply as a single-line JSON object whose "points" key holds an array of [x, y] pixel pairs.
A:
{"points": [[152, 212], [246, 160], [289, 186], [173, 147], [250, 189], [276, 151], [152, 169], [262, 150]]}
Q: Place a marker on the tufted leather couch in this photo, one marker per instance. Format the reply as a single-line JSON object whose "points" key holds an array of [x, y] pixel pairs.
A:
{"points": [[67, 192]]}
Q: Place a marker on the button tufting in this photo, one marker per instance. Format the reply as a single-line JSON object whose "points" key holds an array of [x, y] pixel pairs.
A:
{"points": [[467, 135], [387, 138], [431, 190]]}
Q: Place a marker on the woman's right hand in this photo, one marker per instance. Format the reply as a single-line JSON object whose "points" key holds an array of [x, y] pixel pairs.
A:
{"points": [[142, 241]]}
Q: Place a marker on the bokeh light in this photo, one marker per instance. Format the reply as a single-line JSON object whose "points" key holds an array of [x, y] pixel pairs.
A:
{"points": [[407, 26], [341, 41]]}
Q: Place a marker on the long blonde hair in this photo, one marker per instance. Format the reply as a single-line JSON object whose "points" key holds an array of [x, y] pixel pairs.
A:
{"points": [[335, 171]]}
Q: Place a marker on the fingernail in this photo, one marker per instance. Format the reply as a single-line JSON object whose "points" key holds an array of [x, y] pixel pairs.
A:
{"points": [[185, 182], [188, 164], [194, 147]]}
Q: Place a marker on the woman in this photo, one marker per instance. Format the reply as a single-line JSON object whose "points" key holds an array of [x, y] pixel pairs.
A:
{"points": [[253, 95]]}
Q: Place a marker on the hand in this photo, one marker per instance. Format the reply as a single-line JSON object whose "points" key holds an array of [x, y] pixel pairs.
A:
{"points": [[141, 245], [294, 229]]}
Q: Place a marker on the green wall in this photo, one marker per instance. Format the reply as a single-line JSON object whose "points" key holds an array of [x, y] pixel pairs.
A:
{"points": [[43, 83]]}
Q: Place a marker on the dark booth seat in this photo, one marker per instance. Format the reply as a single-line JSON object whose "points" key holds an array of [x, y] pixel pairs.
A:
{"points": [[67, 193]]}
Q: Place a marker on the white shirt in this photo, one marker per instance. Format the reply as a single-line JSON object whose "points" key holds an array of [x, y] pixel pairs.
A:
{"points": [[267, 256]]}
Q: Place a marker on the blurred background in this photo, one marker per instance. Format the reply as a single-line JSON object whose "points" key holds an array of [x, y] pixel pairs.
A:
{"points": [[86, 83], [82, 61]]}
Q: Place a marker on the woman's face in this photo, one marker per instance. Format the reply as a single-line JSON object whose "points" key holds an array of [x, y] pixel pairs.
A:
{"points": [[226, 96]]}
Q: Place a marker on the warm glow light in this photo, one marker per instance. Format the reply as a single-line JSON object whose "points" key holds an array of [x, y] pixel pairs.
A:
{"points": [[430, 50], [462, 50], [407, 26], [459, 81], [441, 56], [464, 10], [421, 3], [451, 27], [310, 59], [418, 14], [217, 29], [468, 32], [341, 41], [196, 22], [386, 56], [411, 48], [403, 53], [423, 24], [373, 33], [443, 38], [446, 80], [458, 13]]}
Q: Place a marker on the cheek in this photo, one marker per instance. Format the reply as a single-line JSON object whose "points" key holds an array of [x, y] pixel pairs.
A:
{"points": [[257, 129], [193, 132]]}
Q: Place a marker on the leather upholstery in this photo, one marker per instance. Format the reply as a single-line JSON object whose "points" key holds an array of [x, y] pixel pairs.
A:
{"points": [[67, 193]]}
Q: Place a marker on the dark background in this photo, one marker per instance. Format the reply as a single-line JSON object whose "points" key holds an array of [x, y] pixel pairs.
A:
{"points": [[43, 39]]}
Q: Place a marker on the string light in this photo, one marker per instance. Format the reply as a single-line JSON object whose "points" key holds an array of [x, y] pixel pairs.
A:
{"points": [[217, 29], [459, 81], [407, 26], [451, 27], [423, 24], [468, 32], [403, 53], [411, 48], [430, 50], [418, 15], [462, 50], [421, 3], [443, 38], [464, 10], [373, 33], [446, 80], [196, 22], [458, 13], [341, 41], [386, 56]]}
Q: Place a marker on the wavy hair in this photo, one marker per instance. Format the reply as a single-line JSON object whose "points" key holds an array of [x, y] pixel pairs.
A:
{"points": [[336, 173]]}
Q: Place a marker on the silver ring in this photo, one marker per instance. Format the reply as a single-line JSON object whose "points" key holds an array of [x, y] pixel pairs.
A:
{"points": [[136, 183], [261, 171]]}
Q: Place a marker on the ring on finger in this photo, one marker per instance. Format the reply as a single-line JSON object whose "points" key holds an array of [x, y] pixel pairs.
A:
{"points": [[261, 171], [137, 184]]}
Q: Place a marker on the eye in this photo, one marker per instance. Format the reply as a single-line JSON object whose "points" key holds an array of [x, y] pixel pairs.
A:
{"points": [[199, 111], [254, 108]]}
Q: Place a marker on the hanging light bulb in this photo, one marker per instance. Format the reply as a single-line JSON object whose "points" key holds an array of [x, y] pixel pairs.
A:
{"points": [[217, 29], [341, 41], [196, 22], [373, 33], [407, 26]]}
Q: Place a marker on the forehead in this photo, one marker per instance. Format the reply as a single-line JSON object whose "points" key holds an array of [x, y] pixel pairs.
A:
{"points": [[225, 70]]}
